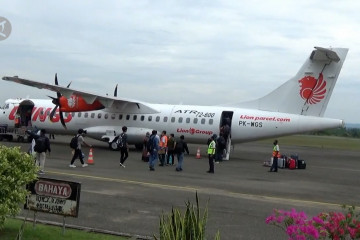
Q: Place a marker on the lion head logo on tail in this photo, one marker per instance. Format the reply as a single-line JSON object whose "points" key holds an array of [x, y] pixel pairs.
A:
{"points": [[312, 90]]}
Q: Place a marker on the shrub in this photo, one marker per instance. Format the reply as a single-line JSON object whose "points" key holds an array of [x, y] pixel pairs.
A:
{"points": [[191, 225], [333, 225], [16, 170]]}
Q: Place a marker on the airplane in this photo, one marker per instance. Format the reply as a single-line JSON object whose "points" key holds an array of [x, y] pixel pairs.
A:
{"points": [[297, 106]]}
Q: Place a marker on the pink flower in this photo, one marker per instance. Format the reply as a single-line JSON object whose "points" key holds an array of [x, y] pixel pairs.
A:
{"points": [[334, 225]]}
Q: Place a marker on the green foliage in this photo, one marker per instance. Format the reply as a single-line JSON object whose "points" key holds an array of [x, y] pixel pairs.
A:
{"points": [[191, 225], [48, 232], [340, 132], [16, 170]]}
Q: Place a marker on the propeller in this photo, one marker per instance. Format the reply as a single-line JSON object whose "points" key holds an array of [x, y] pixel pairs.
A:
{"points": [[56, 102]]}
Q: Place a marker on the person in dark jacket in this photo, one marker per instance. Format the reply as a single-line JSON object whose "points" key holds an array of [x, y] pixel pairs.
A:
{"points": [[180, 148], [42, 145]]}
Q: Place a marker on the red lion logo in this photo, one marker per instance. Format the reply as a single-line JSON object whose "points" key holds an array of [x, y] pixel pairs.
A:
{"points": [[312, 90]]}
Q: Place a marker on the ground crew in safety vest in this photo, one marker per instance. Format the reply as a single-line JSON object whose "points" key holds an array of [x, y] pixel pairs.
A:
{"points": [[211, 153], [276, 153]]}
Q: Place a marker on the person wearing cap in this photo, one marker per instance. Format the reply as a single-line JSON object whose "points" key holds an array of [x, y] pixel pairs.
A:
{"points": [[78, 153]]}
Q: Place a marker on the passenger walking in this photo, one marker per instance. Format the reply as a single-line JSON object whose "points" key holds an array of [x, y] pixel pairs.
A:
{"points": [[180, 148], [163, 148], [123, 145], [211, 154], [153, 148], [145, 156], [171, 149], [42, 145], [220, 147], [77, 151], [275, 154]]}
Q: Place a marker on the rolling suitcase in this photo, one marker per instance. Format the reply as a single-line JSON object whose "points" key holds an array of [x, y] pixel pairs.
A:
{"points": [[292, 164], [281, 162], [301, 164]]}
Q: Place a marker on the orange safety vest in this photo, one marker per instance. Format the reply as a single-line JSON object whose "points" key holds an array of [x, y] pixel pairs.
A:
{"points": [[163, 141], [276, 153]]}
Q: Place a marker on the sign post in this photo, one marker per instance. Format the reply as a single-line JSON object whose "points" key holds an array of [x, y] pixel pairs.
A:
{"points": [[54, 196]]}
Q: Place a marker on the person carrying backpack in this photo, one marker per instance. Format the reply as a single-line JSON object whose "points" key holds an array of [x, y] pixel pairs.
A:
{"points": [[153, 148], [77, 151], [220, 147], [123, 145], [42, 145]]}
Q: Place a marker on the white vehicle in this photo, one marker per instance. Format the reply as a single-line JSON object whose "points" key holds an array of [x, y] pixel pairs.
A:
{"points": [[296, 106]]}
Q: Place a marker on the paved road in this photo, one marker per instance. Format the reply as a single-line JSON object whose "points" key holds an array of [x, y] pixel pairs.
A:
{"points": [[240, 195]]}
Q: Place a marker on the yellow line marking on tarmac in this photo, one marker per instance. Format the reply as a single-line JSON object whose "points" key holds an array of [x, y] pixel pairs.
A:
{"points": [[125, 181], [211, 191]]}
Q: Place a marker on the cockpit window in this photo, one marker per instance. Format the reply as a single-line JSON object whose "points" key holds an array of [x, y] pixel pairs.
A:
{"points": [[6, 106]]}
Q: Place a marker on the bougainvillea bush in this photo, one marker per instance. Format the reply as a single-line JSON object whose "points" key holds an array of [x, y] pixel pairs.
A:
{"points": [[332, 225]]}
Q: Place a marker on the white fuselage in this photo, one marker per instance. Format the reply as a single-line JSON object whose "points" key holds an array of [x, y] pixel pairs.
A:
{"points": [[196, 123]]}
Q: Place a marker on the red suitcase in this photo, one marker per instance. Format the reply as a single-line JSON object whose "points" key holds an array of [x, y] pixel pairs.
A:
{"points": [[292, 164]]}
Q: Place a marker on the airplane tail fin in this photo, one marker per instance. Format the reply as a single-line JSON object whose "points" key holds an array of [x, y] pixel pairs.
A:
{"points": [[309, 91]]}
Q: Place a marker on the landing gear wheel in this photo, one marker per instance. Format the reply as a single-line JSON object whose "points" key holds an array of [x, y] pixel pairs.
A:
{"points": [[113, 146]]}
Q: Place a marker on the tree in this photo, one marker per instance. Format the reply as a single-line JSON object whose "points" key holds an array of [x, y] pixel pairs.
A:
{"points": [[16, 170]]}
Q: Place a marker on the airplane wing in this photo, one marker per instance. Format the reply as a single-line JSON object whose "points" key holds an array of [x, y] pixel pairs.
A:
{"points": [[113, 104]]}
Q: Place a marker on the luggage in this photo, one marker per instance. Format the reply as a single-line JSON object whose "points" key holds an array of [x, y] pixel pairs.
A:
{"points": [[281, 162], [301, 164], [292, 164]]}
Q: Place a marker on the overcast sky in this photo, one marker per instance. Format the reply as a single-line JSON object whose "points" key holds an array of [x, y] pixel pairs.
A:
{"points": [[190, 52]]}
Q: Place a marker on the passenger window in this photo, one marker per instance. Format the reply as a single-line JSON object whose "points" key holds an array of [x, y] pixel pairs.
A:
{"points": [[92, 115], [106, 116], [173, 119], [180, 119], [99, 115], [203, 121], [134, 117], [142, 118], [120, 116], [195, 120], [86, 115], [127, 117], [165, 119], [113, 116], [211, 121], [79, 114], [72, 114], [149, 118], [157, 118], [187, 120]]}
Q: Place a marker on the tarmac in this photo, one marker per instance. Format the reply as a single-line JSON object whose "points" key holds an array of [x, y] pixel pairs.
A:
{"points": [[239, 196]]}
